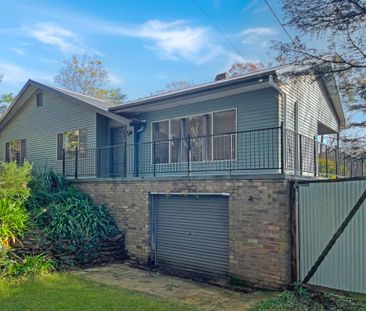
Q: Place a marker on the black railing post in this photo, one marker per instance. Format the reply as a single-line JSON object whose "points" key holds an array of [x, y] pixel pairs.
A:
{"points": [[231, 152], [282, 133], [315, 157], [76, 162], [189, 155], [63, 162], [153, 159], [326, 161], [125, 159], [351, 162], [136, 159], [362, 167], [97, 161], [300, 151], [336, 163]]}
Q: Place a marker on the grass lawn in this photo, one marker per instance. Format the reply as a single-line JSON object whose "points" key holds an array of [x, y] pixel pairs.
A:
{"points": [[69, 292]]}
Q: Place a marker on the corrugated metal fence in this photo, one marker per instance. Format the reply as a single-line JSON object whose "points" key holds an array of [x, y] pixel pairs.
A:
{"points": [[323, 206]]}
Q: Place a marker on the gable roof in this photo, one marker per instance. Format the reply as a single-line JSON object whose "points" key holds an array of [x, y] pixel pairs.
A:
{"points": [[220, 86], [250, 81], [91, 103]]}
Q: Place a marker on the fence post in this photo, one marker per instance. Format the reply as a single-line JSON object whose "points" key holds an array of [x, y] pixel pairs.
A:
{"points": [[326, 161], [189, 155], [315, 156], [300, 153], [76, 162], [336, 163], [153, 158], [63, 162], [282, 133]]}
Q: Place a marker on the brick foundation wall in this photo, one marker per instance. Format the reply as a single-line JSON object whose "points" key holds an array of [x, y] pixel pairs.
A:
{"points": [[259, 221]]}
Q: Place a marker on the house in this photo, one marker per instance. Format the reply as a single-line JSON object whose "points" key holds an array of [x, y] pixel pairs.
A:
{"points": [[44, 120], [198, 178]]}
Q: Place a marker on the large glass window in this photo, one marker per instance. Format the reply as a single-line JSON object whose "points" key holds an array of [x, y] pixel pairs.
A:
{"points": [[161, 139], [69, 141], [212, 137], [224, 137]]}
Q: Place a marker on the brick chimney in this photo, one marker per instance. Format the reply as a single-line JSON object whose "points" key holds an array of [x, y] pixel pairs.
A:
{"points": [[222, 76]]}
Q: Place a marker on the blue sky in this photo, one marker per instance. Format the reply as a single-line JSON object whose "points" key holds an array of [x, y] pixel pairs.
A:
{"points": [[144, 44]]}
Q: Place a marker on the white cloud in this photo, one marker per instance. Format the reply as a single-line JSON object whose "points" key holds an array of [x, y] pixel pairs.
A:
{"points": [[15, 74], [261, 31], [114, 79], [65, 40], [259, 36], [18, 51], [170, 40], [250, 5]]}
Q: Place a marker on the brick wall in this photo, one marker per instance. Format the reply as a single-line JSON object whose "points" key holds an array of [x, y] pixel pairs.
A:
{"points": [[259, 221]]}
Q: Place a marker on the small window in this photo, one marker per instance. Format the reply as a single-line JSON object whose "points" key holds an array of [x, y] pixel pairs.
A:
{"points": [[15, 151], [39, 99], [69, 141]]}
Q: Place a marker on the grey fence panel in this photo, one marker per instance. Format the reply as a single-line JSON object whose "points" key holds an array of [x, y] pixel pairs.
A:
{"points": [[323, 206]]}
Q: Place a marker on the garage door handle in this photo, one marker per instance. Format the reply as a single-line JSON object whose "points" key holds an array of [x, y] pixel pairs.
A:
{"points": [[189, 233]]}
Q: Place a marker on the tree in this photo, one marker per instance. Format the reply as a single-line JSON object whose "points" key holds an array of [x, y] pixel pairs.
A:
{"points": [[330, 39], [87, 75], [5, 100], [238, 69]]}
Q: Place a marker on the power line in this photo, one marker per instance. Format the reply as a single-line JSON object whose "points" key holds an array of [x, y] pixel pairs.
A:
{"points": [[219, 30], [279, 21]]}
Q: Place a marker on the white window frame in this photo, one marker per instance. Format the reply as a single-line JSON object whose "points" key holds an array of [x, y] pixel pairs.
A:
{"points": [[212, 126]]}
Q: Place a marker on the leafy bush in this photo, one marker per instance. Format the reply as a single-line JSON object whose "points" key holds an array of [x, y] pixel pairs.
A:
{"points": [[74, 226], [11, 266], [77, 226], [13, 222], [14, 181]]}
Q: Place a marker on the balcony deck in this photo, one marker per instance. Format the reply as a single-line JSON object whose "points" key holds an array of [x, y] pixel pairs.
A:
{"points": [[260, 152]]}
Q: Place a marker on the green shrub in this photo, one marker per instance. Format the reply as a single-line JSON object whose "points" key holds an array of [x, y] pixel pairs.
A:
{"points": [[11, 266], [77, 227], [73, 225], [14, 181], [13, 222]]}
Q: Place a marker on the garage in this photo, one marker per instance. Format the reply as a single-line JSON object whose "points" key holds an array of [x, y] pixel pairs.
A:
{"points": [[191, 233]]}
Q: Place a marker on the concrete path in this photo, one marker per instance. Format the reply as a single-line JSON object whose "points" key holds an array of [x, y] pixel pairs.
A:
{"points": [[200, 295]]}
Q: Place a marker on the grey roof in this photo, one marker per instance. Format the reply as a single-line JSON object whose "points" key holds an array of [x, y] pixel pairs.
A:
{"points": [[97, 105], [196, 88], [100, 103], [218, 86]]}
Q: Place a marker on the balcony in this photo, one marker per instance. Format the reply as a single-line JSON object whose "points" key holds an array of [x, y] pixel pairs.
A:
{"points": [[269, 151]]}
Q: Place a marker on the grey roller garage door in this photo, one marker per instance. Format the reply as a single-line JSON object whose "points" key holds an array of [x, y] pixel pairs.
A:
{"points": [[192, 233]]}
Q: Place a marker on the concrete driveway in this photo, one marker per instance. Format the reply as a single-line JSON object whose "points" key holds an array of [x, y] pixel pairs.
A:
{"points": [[200, 295]]}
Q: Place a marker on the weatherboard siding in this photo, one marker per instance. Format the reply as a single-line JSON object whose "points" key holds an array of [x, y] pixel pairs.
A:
{"points": [[314, 106], [40, 126], [255, 110]]}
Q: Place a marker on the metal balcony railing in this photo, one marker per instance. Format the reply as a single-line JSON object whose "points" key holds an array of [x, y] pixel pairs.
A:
{"points": [[261, 151]]}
